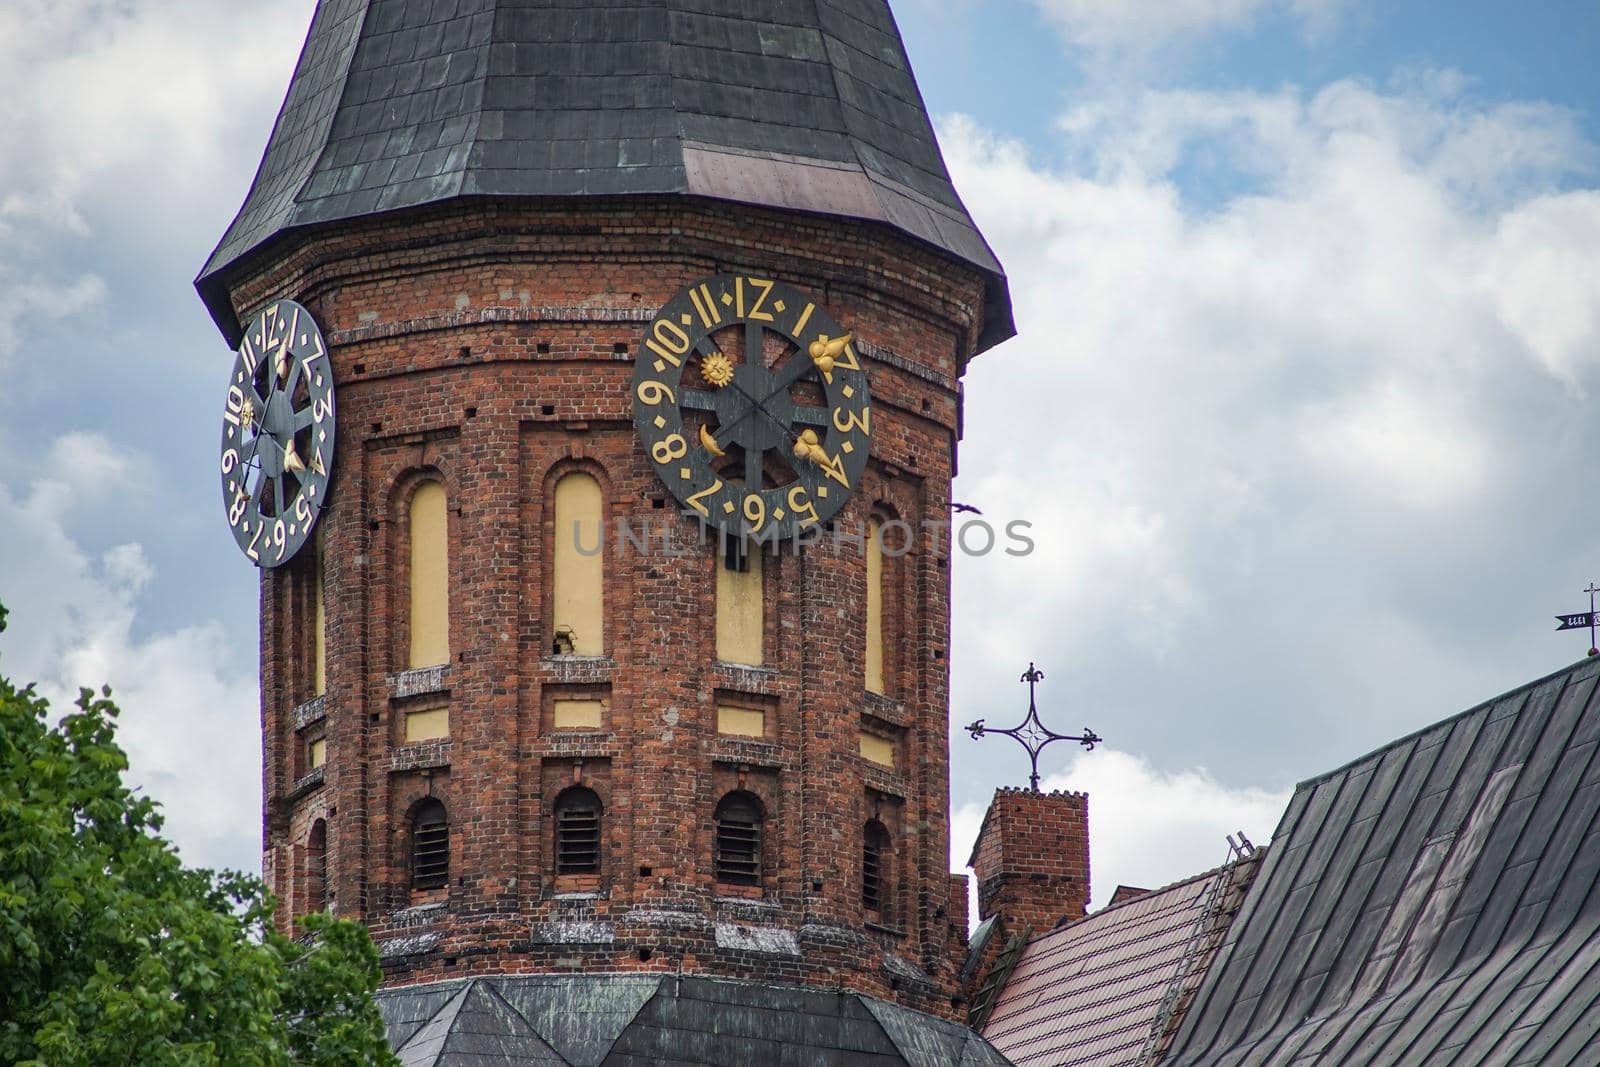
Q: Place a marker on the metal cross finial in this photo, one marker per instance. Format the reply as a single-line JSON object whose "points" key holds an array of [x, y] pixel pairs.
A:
{"points": [[1034, 735]]}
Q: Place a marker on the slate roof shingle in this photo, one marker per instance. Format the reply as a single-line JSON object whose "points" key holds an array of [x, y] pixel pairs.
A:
{"points": [[401, 103], [1091, 992], [1433, 903], [586, 1020]]}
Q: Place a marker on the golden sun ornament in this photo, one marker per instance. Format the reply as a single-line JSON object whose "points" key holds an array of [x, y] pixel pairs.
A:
{"points": [[716, 369]]}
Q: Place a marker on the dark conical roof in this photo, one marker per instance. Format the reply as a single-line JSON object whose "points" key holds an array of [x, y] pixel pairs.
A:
{"points": [[808, 106]]}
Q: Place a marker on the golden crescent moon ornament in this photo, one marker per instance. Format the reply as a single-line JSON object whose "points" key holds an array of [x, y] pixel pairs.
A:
{"points": [[710, 442]]}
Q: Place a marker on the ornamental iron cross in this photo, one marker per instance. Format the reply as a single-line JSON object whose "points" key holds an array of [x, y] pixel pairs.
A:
{"points": [[1031, 733]]}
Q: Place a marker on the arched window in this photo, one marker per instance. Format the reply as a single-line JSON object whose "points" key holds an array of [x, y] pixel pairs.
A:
{"points": [[875, 588], [738, 844], [578, 832], [578, 568], [430, 577], [430, 846], [317, 866], [876, 863]]}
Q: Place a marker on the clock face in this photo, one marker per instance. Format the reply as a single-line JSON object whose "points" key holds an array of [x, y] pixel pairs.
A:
{"points": [[277, 434], [753, 406]]}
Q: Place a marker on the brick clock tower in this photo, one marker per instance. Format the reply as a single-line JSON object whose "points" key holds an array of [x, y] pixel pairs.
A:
{"points": [[596, 366]]}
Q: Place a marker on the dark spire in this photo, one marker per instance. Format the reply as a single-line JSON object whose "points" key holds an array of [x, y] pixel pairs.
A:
{"points": [[807, 105]]}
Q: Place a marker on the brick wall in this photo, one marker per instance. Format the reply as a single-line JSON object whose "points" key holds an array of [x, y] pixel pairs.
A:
{"points": [[489, 347], [1031, 859]]}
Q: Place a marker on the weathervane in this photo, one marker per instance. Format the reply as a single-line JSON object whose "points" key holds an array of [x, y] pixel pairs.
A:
{"points": [[1582, 619], [1033, 734]]}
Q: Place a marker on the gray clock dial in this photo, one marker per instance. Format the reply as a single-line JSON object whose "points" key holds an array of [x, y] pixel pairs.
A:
{"points": [[277, 434], [753, 406]]}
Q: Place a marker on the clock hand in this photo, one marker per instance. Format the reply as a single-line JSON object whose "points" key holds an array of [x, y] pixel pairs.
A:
{"points": [[792, 372], [754, 404], [752, 456], [761, 406], [819, 356], [291, 460], [745, 414], [255, 442]]}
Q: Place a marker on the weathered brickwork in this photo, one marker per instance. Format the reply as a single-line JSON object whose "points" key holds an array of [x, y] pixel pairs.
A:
{"points": [[1031, 859], [489, 347]]}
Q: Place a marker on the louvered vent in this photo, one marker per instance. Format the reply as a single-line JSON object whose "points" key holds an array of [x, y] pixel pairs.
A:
{"points": [[430, 849], [738, 842], [871, 875], [577, 840], [877, 861]]}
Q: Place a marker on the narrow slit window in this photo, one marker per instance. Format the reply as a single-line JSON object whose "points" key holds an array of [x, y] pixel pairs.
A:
{"points": [[874, 867], [738, 844], [430, 846], [875, 584], [578, 832], [430, 577], [319, 657], [578, 582], [741, 611], [317, 866]]}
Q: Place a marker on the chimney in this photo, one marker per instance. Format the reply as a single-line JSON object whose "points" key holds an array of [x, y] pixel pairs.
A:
{"points": [[1031, 859]]}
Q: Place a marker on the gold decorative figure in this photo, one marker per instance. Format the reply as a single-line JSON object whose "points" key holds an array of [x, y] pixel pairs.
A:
{"points": [[824, 351], [807, 446], [710, 442], [717, 370]]}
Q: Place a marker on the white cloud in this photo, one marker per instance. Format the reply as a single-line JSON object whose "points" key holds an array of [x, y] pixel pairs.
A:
{"points": [[1398, 441], [1539, 276], [188, 699], [1147, 827], [121, 124], [90, 463], [1295, 372], [54, 298], [101, 98], [1145, 24]]}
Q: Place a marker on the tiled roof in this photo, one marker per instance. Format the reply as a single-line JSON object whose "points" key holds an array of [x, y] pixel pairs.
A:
{"points": [[585, 1020], [1432, 904], [400, 103], [1093, 991]]}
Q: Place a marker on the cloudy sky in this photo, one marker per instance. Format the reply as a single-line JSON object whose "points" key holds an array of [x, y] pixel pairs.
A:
{"points": [[1302, 408]]}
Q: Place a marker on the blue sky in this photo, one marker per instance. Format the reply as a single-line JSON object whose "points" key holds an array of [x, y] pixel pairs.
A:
{"points": [[1302, 406]]}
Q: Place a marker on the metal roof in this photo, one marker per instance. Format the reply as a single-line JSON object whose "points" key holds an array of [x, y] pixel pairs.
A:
{"points": [[1093, 992], [585, 1020], [1432, 903], [401, 103]]}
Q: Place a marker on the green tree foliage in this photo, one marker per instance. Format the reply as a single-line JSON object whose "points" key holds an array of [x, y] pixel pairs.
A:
{"points": [[112, 952]]}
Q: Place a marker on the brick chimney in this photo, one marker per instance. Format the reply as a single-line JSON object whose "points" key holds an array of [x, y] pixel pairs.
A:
{"points": [[1031, 858]]}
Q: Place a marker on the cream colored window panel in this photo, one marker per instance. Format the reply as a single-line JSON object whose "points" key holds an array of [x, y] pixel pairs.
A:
{"points": [[428, 724]]}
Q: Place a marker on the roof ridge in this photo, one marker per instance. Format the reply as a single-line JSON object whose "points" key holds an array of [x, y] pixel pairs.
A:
{"points": [[1214, 872], [488, 990], [441, 1021], [1524, 690]]}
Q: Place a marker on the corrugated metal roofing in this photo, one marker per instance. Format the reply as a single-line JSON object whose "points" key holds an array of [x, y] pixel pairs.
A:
{"points": [[400, 103], [1433, 903], [1090, 992], [586, 1020]]}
